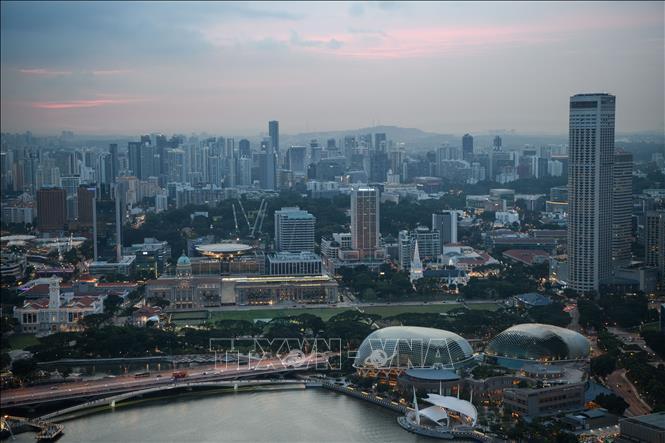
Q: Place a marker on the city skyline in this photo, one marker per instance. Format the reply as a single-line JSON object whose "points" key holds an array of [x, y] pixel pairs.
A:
{"points": [[227, 68]]}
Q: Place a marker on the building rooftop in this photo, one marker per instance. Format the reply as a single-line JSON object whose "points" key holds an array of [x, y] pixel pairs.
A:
{"points": [[654, 421], [526, 256], [432, 374]]}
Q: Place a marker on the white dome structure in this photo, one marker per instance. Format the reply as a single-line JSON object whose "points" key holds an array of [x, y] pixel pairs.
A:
{"points": [[535, 342], [404, 347]]}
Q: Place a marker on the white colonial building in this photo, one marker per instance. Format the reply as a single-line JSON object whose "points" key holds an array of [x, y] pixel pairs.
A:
{"points": [[58, 313]]}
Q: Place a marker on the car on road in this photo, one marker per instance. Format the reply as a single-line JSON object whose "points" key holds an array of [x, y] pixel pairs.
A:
{"points": [[53, 388]]}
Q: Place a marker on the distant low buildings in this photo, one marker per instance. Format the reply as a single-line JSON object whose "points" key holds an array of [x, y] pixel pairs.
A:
{"points": [[12, 266], [527, 257], [466, 258]]}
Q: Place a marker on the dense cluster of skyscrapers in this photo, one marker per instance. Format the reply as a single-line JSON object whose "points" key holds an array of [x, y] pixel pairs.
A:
{"points": [[60, 189]]}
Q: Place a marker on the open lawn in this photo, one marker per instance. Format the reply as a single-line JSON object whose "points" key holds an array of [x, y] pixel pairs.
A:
{"points": [[22, 341], [326, 313]]}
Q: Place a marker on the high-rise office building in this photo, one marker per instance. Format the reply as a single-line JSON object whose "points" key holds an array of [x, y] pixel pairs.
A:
{"points": [[143, 160], [113, 150], [51, 209], [86, 206], [467, 146], [295, 159], [294, 230], [654, 242], [380, 141], [497, 143], [590, 178], [365, 221], [244, 149], [273, 133], [379, 164], [622, 208], [268, 168], [446, 223]]}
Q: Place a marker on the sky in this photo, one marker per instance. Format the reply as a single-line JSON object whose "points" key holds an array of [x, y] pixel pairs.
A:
{"points": [[227, 68]]}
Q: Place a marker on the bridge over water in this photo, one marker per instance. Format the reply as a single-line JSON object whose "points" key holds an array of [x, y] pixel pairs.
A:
{"points": [[88, 391]]}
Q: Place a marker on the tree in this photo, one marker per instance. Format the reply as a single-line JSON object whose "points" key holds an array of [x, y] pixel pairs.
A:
{"points": [[94, 321], [613, 403], [24, 368], [71, 256], [5, 360], [603, 365], [65, 372], [112, 303]]}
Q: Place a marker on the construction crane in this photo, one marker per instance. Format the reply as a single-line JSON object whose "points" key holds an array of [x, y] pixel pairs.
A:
{"points": [[242, 208], [258, 217], [235, 217], [263, 215]]}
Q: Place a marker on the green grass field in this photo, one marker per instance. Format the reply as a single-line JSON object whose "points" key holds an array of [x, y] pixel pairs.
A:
{"points": [[22, 341], [326, 313]]}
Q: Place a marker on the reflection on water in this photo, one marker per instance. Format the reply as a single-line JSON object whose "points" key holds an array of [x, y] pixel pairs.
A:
{"points": [[311, 415]]}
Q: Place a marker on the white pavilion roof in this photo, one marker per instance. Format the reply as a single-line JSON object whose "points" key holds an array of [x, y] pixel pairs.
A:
{"points": [[454, 404]]}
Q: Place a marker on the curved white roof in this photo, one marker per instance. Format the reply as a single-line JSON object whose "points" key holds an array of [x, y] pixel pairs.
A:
{"points": [[412, 346], [17, 237], [223, 248], [454, 404], [434, 413]]}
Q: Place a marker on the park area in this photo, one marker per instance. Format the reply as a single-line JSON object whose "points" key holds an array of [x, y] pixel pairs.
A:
{"points": [[326, 313]]}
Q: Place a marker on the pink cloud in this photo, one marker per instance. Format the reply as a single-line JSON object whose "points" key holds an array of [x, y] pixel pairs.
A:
{"points": [[78, 104], [42, 71], [103, 72]]}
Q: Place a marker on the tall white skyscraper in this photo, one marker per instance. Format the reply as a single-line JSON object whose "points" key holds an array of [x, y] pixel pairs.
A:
{"points": [[590, 189], [294, 230], [365, 221]]}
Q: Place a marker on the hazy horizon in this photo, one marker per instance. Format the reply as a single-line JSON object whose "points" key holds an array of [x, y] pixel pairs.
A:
{"points": [[228, 68]]}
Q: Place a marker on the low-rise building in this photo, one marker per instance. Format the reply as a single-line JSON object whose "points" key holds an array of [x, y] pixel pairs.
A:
{"points": [[466, 258], [123, 267], [57, 313], [186, 291], [542, 402], [151, 255], [146, 313], [286, 263], [12, 266], [527, 257], [643, 429]]}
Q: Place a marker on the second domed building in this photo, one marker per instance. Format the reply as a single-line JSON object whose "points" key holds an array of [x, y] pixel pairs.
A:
{"points": [[529, 343]]}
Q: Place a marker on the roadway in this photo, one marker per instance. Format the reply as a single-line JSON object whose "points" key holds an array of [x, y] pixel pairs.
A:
{"points": [[348, 305], [622, 387], [84, 389]]}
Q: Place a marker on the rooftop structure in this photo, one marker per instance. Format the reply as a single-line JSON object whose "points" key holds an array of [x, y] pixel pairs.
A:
{"points": [[530, 342], [397, 348], [527, 256]]}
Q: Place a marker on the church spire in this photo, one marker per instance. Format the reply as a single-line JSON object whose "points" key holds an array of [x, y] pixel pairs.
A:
{"points": [[416, 265]]}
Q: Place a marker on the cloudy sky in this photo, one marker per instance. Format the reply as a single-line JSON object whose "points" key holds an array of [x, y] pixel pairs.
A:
{"points": [[228, 68]]}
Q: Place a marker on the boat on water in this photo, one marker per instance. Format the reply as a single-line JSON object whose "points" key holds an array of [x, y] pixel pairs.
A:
{"points": [[51, 432]]}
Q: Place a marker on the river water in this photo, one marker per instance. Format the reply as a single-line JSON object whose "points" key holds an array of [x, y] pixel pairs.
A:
{"points": [[309, 415]]}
